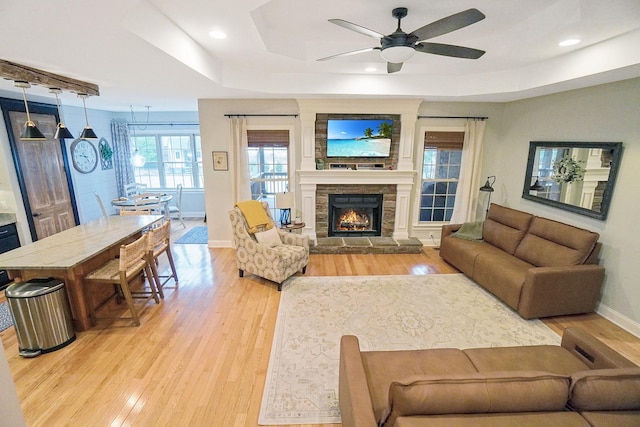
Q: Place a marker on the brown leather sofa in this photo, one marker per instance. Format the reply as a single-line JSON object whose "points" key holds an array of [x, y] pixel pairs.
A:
{"points": [[582, 382], [537, 266]]}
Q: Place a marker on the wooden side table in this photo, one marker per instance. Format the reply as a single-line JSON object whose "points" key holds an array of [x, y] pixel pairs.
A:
{"points": [[292, 227]]}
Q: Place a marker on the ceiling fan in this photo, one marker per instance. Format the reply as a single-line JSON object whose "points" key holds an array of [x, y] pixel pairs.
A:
{"points": [[399, 46]]}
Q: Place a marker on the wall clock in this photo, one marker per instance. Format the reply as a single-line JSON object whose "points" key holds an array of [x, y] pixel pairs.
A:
{"points": [[84, 156]]}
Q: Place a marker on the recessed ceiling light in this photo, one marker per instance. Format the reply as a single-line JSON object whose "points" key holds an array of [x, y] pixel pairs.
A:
{"points": [[569, 42], [218, 35], [371, 69]]}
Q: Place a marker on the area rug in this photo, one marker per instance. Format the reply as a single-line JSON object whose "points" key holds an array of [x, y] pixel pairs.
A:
{"points": [[385, 313], [6, 320], [197, 236]]}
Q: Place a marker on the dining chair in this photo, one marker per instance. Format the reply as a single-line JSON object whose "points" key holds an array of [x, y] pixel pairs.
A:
{"points": [[99, 200], [130, 189], [159, 243], [120, 272], [176, 211], [148, 202]]}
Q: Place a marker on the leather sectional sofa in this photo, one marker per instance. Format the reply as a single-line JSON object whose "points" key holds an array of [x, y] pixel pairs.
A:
{"points": [[582, 382], [537, 266]]}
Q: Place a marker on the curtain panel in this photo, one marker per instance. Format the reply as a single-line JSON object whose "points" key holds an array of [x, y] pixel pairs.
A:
{"points": [[466, 207], [122, 155]]}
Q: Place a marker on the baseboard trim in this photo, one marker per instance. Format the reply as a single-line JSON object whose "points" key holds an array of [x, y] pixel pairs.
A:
{"points": [[220, 244], [619, 319]]}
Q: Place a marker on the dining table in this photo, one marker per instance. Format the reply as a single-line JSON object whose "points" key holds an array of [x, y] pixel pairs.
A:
{"points": [[73, 253], [126, 202]]}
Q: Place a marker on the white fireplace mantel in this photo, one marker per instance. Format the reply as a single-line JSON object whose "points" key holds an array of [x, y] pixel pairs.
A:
{"points": [[403, 179], [371, 176]]}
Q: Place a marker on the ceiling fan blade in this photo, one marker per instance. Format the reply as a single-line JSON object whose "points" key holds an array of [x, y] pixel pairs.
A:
{"points": [[394, 67], [357, 28], [449, 24], [353, 52], [449, 50]]}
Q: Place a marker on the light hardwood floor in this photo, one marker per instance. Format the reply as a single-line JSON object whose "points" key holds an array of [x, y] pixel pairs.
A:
{"points": [[200, 357]]}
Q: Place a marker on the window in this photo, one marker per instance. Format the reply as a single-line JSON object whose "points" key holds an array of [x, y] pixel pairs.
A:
{"points": [[268, 164], [441, 162], [545, 172], [171, 159]]}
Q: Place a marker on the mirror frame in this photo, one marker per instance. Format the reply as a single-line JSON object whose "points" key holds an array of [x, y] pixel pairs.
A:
{"points": [[616, 156]]}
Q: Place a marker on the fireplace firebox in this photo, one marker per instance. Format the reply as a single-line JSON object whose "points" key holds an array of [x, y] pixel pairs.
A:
{"points": [[355, 215]]}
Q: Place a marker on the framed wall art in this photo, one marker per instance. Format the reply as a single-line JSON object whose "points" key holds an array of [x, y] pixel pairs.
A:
{"points": [[220, 161]]}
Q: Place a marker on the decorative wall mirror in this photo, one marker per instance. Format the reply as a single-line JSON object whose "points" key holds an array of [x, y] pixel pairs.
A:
{"points": [[575, 176]]}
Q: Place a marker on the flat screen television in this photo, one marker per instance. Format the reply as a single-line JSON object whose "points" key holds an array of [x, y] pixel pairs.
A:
{"points": [[359, 138]]}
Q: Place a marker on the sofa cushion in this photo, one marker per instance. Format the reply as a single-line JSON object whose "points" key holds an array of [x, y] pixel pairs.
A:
{"points": [[553, 244], [547, 358], [493, 392], [521, 419], [501, 274], [605, 390], [612, 418], [384, 367], [462, 253], [505, 227]]}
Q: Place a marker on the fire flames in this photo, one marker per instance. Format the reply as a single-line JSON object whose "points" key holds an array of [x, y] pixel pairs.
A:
{"points": [[353, 221]]}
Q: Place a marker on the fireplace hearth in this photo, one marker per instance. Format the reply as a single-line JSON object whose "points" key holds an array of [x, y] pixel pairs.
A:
{"points": [[355, 215]]}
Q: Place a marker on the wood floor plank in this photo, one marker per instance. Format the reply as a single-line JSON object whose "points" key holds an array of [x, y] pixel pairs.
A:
{"points": [[200, 357]]}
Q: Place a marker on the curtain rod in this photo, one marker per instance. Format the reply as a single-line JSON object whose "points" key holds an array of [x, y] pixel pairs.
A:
{"points": [[261, 115], [163, 124], [452, 117]]}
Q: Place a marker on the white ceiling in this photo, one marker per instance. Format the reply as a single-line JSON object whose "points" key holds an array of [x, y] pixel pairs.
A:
{"points": [[159, 53]]}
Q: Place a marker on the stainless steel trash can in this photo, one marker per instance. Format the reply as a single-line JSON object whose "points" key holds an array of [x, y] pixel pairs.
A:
{"points": [[41, 316]]}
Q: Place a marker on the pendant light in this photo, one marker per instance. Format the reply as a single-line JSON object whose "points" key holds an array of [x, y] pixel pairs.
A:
{"points": [[30, 131], [137, 159], [87, 132], [61, 129]]}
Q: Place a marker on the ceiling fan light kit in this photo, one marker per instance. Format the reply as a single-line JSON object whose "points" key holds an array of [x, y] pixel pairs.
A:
{"points": [[398, 47]]}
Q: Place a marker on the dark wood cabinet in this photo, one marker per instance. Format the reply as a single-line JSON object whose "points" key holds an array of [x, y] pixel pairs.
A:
{"points": [[8, 240]]}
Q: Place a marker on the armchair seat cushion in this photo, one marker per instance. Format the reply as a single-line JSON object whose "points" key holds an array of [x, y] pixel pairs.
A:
{"points": [[290, 254]]}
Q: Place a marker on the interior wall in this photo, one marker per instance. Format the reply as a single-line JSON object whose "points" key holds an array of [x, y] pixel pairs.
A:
{"points": [[601, 113], [214, 132]]}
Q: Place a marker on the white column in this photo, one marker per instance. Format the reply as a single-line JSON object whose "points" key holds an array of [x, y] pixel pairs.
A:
{"points": [[407, 136], [403, 199], [308, 129], [309, 209]]}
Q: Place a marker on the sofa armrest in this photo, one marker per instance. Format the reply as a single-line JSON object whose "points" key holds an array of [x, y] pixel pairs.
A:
{"points": [[593, 352], [356, 408], [553, 291], [448, 229]]}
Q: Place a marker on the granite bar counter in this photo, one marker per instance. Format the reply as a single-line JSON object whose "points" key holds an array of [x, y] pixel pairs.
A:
{"points": [[71, 254]]}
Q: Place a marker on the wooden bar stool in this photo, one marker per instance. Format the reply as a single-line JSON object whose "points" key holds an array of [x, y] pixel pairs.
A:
{"points": [[121, 272], [159, 243]]}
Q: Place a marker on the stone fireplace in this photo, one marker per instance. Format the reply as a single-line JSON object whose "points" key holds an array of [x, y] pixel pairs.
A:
{"points": [[355, 215], [394, 187], [348, 194]]}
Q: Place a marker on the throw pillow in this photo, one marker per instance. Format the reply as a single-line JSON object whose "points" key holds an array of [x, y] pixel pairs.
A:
{"points": [[269, 238]]}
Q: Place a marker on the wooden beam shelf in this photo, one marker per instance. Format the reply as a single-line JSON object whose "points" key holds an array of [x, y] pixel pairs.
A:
{"points": [[17, 72]]}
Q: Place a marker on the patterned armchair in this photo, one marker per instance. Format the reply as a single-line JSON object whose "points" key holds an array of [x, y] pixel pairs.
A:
{"points": [[273, 263]]}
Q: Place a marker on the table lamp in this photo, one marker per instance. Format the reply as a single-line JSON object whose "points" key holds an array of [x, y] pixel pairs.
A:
{"points": [[285, 202]]}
